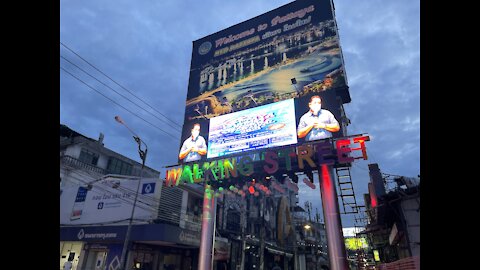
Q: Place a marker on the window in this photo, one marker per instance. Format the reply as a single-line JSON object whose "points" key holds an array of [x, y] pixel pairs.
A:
{"points": [[88, 157], [117, 166]]}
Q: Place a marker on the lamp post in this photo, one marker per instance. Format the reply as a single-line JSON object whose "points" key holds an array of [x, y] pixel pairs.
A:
{"points": [[143, 157]]}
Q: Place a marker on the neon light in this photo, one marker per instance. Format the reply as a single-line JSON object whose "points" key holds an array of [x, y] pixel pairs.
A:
{"points": [[271, 158], [308, 183], [321, 153], [230, 167], [373, 196], [361, 141], [187, 176], [197, 174], [305, 153], [343, 151], [172, 177], [245, 167], [323, 150]]}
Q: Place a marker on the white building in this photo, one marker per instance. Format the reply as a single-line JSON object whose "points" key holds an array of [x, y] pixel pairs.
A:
{"points": [[97, 194]]}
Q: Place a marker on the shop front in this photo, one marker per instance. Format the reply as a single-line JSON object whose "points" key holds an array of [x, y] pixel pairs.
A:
{"points": [[152, 247]]}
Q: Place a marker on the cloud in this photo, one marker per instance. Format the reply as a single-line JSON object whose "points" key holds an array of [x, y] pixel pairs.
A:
{"points": [[146, 46]]}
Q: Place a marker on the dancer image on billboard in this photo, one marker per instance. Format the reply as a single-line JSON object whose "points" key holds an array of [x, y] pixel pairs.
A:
{"points": [[194, 147], [317, 123]]}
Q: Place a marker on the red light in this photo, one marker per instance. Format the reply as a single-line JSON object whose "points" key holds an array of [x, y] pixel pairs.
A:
{"points": [[251, 190], [373, 196], [373, 200]]}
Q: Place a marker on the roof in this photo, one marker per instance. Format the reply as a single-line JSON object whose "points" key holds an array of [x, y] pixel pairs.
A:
{"points": [[70, 133]]}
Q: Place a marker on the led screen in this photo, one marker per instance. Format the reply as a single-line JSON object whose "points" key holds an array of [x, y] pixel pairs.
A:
{"points": [[261, 127], [355, 243], [376, 255]]}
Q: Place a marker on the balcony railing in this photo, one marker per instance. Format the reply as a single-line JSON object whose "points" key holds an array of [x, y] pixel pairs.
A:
{"points": [[78, 164]]}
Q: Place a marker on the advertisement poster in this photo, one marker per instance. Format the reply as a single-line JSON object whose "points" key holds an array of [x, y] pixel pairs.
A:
{"points": [[110, 201], [292, 52], [261, 127], [79, 203]]}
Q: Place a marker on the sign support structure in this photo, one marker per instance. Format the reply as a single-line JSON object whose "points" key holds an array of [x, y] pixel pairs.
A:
{"points": [[205, 256], [337, 253]]}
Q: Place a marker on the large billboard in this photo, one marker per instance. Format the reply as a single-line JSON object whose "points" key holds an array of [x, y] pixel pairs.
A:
{"points": [[110, 201], [290, 53]]}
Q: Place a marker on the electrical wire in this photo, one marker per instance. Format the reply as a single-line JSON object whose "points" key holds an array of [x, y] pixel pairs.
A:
{"points": [[117, 83], [155, 205], [118, 92], [102, 191], [104, 188], [172, 136]]}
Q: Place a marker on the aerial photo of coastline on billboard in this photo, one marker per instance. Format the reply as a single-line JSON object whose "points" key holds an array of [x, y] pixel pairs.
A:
{"points": [[291, 52]]}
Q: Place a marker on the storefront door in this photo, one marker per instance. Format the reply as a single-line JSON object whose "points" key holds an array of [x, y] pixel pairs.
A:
{"points": [[96, 260]]}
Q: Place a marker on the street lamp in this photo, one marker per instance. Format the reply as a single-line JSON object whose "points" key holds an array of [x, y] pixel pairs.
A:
{"points": [[143, 157]]}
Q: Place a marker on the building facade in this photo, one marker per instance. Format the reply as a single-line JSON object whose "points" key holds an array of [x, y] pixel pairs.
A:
{"points": [[393, 228], [98, 189]]}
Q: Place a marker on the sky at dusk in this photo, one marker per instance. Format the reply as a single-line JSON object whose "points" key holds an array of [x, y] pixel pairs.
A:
{"points": [[146, 47]]}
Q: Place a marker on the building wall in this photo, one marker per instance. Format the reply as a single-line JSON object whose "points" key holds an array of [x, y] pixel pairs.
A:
{"points": [[73, 150], [411, 211]]}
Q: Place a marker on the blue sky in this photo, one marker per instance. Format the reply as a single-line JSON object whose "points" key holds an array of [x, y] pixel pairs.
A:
{"points": [[146, 47]]}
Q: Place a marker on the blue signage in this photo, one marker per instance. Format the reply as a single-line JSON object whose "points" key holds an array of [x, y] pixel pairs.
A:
{"points": [[148, 188]]}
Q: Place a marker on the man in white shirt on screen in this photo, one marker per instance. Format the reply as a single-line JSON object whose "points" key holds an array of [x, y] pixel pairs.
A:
{"points": [[317, 123], [194, 147]]}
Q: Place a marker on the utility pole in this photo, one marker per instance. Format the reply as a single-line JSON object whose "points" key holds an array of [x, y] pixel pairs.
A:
{"points": [[143, 157]]}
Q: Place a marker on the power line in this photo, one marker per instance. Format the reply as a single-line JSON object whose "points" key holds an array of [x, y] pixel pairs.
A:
{"points": [[80, 175], [119, 84], [174, 137], [117, 92], [153, 207], [107, 191], [101, 190]]}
